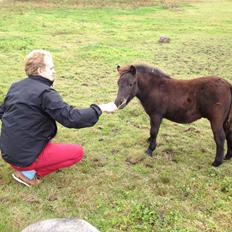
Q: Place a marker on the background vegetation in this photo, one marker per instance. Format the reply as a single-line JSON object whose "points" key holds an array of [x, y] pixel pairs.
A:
{"points": [[116, 187]]}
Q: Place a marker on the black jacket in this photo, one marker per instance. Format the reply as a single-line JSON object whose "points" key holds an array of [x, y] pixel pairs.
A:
{"points": [[29, 114]]}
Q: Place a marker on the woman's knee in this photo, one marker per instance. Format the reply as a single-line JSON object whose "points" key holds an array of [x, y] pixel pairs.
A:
{"points": [[79, 153]]}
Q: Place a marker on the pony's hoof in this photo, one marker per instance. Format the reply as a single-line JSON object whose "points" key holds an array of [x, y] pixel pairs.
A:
{"points": [[216, 163], [228, 156], [149, 152]]}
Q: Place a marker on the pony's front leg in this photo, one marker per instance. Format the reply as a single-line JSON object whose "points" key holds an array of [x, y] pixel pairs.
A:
{"points": [[155, 121], [219, 137]]}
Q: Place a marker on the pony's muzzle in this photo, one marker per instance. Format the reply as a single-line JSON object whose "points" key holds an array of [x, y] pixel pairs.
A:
{"points": [[121, 103]]}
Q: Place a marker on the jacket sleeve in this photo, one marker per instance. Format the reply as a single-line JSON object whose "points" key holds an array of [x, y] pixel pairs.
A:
{"points": [[68, 116], [2, 109]]}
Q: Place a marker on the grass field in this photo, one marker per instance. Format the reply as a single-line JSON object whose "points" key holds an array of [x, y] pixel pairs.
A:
{"points": [[116, 187]]}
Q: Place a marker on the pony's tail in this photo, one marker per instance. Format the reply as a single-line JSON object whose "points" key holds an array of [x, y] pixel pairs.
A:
{"points": [[228, 121]]}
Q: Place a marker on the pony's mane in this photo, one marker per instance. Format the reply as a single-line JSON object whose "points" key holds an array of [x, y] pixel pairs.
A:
{"points": [[151, 70]]}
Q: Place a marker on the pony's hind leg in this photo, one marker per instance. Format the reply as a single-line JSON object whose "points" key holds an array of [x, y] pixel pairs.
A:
{"points": [[219, 137]]}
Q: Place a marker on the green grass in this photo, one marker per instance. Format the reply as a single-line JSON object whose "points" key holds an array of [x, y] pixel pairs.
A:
{"points": [[116, 187]]}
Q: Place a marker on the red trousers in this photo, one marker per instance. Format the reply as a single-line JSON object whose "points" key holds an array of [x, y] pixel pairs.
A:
{"points": [[54, 157]]}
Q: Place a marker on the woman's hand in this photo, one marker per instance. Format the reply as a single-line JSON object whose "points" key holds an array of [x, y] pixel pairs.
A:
{"points": [[108, 107]]}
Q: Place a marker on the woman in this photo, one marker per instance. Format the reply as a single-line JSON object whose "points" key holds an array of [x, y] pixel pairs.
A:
{"points": [[29, 114]]}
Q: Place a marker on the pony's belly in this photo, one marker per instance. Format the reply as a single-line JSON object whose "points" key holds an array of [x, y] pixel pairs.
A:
{"points": [[183, 117]]}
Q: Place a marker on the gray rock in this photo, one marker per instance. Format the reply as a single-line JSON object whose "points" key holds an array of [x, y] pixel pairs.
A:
{"points": [[61, 225], [164, 39]]}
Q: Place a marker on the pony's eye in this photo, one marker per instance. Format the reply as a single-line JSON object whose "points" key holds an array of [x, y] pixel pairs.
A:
{"points": [[130, 85]]}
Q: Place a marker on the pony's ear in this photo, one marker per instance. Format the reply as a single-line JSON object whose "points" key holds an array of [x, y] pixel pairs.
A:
{"points": [[132, 69], [118, 67]]}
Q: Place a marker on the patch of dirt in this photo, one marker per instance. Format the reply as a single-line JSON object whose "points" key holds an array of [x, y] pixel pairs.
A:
{"points": [[192, 129], [135, 159], [53, 197]]}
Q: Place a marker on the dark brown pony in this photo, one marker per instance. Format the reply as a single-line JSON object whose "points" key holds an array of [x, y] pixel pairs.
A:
{"points": [[181, 101]]}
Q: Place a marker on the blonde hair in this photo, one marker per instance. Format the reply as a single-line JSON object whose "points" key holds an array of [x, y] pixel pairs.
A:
{"points": [[35, 60]]}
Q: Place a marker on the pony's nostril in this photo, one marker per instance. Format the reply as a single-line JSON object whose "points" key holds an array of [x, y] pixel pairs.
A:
{"points": [[122, 103]]}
